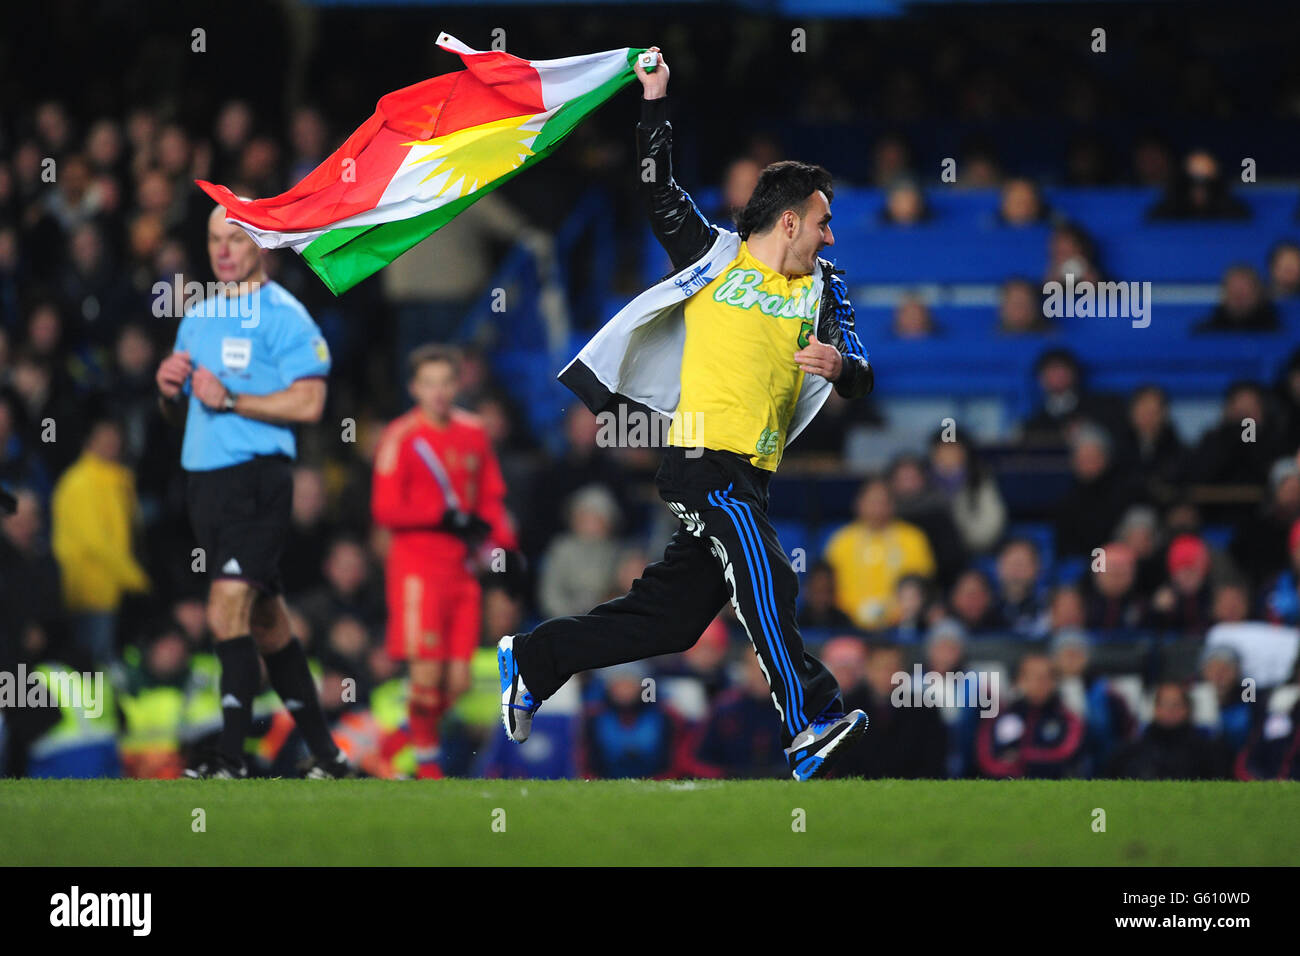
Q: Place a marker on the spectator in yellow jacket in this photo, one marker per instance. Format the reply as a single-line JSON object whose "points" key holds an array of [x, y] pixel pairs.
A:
{"points": [[871, 555], [93, 512]]}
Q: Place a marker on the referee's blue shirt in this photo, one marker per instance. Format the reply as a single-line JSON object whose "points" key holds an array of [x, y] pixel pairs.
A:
{"points": [[255, 344]]}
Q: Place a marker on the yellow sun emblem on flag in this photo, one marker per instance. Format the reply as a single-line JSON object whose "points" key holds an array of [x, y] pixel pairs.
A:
{"points": [[478, 155]]}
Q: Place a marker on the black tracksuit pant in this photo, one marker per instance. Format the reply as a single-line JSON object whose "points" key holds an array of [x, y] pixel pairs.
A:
{"points": [[725, 548]]}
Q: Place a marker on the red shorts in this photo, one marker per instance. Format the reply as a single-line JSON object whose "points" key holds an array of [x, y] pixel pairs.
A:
{"points": [[432, 618]]}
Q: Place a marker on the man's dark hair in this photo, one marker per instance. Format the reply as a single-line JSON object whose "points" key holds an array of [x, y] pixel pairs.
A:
{"points": [[1028, 656], [1237, 386], [785, 185], [1059, 355], [884, 647], [875, 478], [1276, 250], [1020, 542], [1149, 388], [425, 354], [1233, 581], [102, 421], [1178, 687], [821, 566], [903, 459], [26, 355]]}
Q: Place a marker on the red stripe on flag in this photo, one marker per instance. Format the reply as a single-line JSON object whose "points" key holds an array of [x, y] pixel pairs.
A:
{"points": [[494, 86]]}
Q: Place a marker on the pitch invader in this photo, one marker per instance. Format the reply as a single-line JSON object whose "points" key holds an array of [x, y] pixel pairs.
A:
{"points": [[438, 489], [745, 340]]}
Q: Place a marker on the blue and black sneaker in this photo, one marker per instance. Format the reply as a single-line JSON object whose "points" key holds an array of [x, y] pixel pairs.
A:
{"points": [[813, 752], [517, 704]]}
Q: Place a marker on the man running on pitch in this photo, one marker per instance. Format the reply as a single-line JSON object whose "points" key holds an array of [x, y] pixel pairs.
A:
{"points": [[740, 347]]}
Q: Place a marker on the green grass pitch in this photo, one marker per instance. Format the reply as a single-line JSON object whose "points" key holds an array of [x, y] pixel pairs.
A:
{"points": [[451, 822]]}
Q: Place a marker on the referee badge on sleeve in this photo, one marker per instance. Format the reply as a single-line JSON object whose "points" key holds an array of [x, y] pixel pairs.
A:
{"points": [[321, 349]]}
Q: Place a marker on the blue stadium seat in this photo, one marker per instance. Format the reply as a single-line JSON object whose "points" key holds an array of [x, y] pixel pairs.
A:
{"points": [[1218, 536], [940, 253], [822, 535], [1069, 570], [793, 534], [1100, 210], [1004, 366], [1185, 253]]}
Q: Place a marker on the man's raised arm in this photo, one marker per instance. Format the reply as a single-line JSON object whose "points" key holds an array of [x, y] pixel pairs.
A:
{"points": [[677, 222]]}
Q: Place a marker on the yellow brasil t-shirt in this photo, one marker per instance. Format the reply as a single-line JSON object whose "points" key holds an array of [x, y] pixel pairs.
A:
{"points": [[740, 382]]}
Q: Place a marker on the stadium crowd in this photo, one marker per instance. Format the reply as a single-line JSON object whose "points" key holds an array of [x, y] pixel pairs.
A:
{"points": [[100, 229]]}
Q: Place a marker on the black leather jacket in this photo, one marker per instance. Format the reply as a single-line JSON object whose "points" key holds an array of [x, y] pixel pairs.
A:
{"points": [[687, 236]]}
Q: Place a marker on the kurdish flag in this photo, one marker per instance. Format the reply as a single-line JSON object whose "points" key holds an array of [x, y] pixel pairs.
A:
{"points": [[428, 152]]}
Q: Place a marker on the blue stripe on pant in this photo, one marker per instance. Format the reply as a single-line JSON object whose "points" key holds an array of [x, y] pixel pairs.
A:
{"points": [[765, 591], [747, 514], [761, 593]]}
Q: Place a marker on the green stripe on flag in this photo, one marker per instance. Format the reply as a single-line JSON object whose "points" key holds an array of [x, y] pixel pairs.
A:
{"points": [[344, 257]]}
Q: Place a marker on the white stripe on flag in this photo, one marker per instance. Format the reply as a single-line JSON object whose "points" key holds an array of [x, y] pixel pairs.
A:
{"points": [[563, 78]]}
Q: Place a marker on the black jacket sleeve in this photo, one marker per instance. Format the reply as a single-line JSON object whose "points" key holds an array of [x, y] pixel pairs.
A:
{"points": [[835, 327], [677, 222]]}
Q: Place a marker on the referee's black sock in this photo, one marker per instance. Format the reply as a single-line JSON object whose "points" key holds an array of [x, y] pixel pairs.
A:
{"points": [[240, 675], [292, 680]]}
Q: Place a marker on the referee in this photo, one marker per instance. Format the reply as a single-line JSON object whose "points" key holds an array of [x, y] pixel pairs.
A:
{"points": [[249, 364]]}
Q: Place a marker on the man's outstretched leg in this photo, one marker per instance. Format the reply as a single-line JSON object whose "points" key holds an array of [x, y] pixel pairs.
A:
{"points": [[666, 611], [725, 549], [764, 588], [722, 500]]}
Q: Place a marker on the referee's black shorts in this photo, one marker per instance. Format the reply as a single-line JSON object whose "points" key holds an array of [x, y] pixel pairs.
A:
{"points": [[240, 515]]}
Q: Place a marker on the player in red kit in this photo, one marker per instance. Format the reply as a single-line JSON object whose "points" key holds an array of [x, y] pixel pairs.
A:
{"points": [[438, 489]]}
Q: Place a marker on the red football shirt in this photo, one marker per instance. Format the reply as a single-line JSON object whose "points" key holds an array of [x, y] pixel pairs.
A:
{"points": [[408, 498]]}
